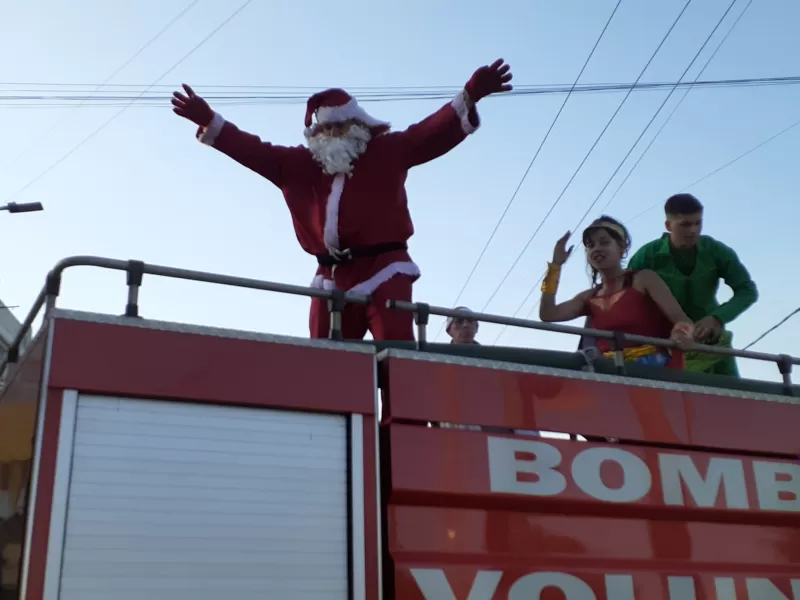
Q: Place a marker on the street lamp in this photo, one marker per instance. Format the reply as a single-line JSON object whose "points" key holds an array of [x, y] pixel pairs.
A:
{"points": [[13, 207]]}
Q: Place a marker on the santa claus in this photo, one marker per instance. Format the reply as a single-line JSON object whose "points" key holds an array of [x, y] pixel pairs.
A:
{"points": [[346, 191]]}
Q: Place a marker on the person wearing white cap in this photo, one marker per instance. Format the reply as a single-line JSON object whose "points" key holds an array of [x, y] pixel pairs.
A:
{"points": [[346, 191], [462, 330]]}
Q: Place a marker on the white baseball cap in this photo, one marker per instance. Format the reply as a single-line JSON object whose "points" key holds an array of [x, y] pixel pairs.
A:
{"points": [[451, 319]]}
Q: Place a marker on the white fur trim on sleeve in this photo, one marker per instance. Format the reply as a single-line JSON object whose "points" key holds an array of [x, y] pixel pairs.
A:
{"points": [[385, 274], [462, 104], [331, 231], [209, 133]]}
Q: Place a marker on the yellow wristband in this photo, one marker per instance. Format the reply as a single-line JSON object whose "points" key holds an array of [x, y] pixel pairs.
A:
{"points": [[551, 279]]}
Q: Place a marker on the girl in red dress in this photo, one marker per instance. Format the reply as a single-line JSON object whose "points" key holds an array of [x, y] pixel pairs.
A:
{"points": [[619, 300]]}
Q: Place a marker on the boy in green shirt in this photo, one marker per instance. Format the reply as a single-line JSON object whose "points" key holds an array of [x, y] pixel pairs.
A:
{"points": [[692, 266]]}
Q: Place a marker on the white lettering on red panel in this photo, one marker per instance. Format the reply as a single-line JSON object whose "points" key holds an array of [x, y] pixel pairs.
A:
{"points": [[777, 483], [433, 585]]}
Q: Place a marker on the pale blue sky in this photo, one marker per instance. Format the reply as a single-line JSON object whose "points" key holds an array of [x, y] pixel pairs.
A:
{"points": [[144, 188]]}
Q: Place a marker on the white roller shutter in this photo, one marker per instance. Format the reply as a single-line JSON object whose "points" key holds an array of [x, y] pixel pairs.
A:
{"points": [[177, 501]]}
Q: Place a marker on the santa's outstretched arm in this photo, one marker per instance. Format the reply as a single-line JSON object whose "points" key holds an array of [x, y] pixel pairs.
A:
{"points": [[450, 125], [268, 160]]}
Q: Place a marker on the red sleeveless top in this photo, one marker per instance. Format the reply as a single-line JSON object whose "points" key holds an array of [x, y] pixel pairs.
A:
{"points": [[630, 311]]}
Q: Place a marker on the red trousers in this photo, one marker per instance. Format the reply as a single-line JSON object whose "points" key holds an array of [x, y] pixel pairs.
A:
{"points": [[385, 324]]}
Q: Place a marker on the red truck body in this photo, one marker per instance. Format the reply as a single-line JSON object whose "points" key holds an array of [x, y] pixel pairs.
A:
{"points": [[163, 460]]}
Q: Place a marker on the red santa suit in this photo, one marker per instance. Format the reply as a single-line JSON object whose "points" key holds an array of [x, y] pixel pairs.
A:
{"points": [[359, 220]]}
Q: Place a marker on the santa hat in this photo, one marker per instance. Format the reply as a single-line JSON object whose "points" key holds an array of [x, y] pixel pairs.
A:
{"points": [[336, 106]]}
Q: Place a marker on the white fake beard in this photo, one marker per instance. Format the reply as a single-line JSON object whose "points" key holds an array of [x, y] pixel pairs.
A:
{"points": [[337, 153]]}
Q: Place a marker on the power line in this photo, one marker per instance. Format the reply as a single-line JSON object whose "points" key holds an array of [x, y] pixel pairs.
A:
{"points": [[773, 328], [638, 139], [119, 69], [249, 88], [650, 122], [677, 106], [59, 98], [688, 187], [725, 166], [171, 86], [530, 164], [585, 158], [124, 108], [443, 89]]}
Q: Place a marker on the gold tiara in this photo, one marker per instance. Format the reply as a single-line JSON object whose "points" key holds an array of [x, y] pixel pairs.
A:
{"points": [[609, 225]]}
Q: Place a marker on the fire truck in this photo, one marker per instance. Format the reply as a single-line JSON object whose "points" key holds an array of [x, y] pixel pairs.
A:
{"points": [[142, 459]]}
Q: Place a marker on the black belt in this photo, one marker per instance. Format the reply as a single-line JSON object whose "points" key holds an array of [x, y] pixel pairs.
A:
{"points": [[327, 260]]}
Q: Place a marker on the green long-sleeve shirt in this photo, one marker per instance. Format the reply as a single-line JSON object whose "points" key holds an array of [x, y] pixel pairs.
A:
{"points": [[696, 288]]}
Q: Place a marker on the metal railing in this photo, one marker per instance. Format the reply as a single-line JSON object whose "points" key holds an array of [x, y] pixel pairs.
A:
{"points": [[136, 270], [618, 340], [337, 300]]}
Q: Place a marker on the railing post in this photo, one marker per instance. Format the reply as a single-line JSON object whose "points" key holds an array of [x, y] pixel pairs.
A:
{"points": [[619, 355], [12, 356], [785, 367], [335, 309], [52, 288], [135, 273], [589, 355], [421, 318]]}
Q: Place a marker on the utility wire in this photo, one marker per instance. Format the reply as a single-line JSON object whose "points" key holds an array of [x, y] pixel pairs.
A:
{"points": [[302, 91], [530, 164], [124, 108], [119, 69], [688, 187], [585, 158], [677, 106], [33, 86], [725, 166], [636, 143], [773, 328], [34, 98], [649, 123]]}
